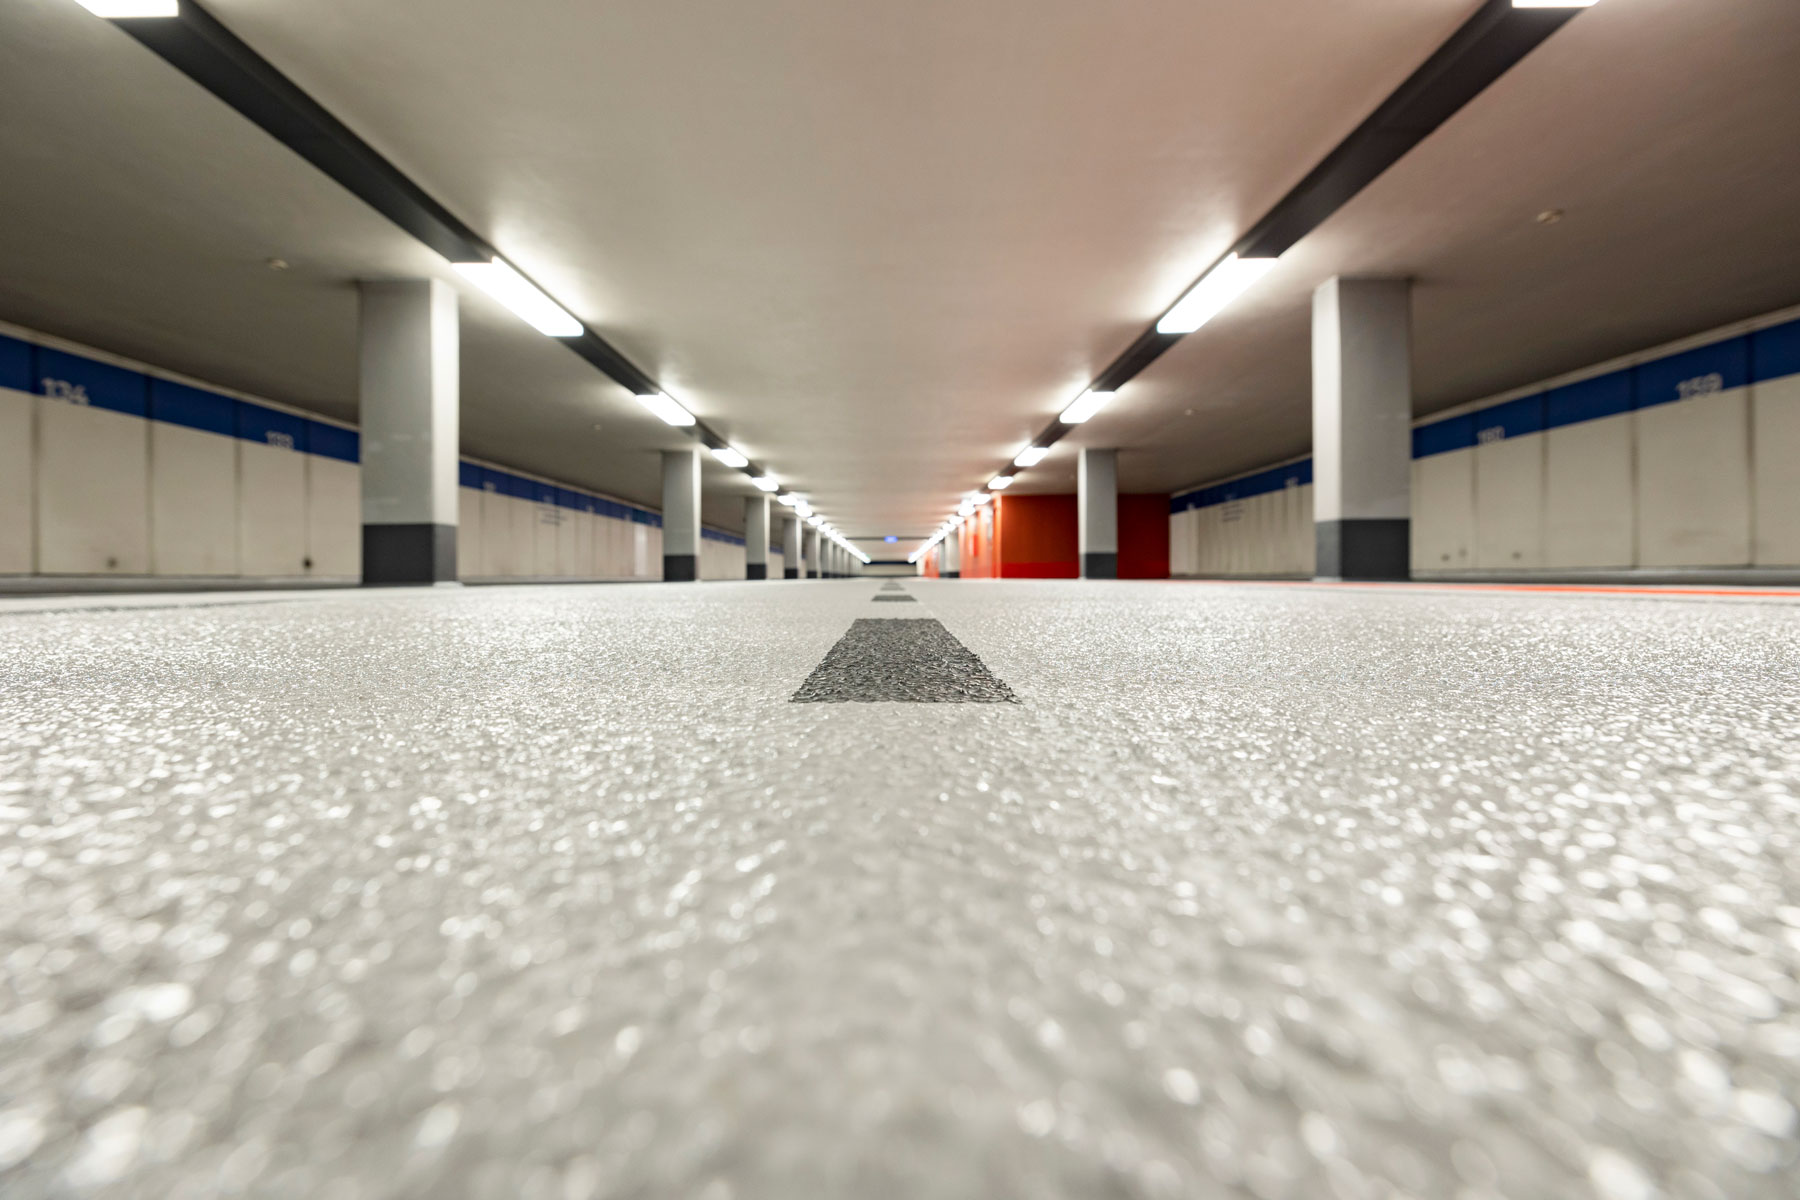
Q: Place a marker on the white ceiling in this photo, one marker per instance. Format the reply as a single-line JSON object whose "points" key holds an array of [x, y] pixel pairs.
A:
{"points": [[879, 246]]}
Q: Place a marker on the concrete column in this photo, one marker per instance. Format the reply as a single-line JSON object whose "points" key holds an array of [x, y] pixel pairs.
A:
{"points": [[756, 537], [790, 548], [1362, 428], [812, 554], [408, 396], [681, 515], [1097, 507], [950, 556]]}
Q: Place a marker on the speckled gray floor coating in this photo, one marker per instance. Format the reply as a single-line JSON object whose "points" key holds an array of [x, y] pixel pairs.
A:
{"points": [[549, 892]]}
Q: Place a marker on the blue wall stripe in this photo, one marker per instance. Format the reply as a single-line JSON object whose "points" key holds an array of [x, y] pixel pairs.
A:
{"points": [[333, 441], [1720, 367], [1515, 418], [84, 381], [1441, 437], [282, 430], [1589, 400], [15, 364], [1772, 353], [1775, 353], [179, 404]]}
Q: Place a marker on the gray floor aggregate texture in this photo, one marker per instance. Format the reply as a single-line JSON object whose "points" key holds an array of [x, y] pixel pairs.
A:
{"points": [[550, 892]]}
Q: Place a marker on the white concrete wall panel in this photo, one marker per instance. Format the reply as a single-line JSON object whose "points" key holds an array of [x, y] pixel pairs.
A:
{"points": [[193, 501], [271, 511], [469, 554], [1693, 457], [1509, 504], [17, 475], [521, 547], [93, 493], [334, 518], [1776, 421], [1443, 522], [1693, 483], [1589, 513]]}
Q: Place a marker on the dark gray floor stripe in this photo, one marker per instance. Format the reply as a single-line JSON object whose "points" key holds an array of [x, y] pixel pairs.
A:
{"points": [[910, 660], [902, 598]]}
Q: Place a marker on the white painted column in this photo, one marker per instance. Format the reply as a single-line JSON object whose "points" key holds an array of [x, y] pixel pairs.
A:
{"points": [[812, 554], [1097, 509], [1362, 428], [950, 556], [756, 537], [408, 396], [791, 560], [681, 515]]}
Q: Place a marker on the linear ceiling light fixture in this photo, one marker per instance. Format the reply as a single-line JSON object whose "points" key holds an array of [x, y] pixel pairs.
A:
{"points": [[667, 409], [1495, 38], [736, 459], [1000, 483], [1218, 288], [1030, 456], [131, 10], [767, 483], [196, 43], [1085, 406], [499, 279]]}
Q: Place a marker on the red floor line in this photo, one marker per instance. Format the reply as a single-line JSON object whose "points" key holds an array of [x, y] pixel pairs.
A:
{"points": [[1573, 588]]}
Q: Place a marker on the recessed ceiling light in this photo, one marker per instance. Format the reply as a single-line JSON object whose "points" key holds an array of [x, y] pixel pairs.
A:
{"points": [[499, 280], [127, 10], [667, 409], [1208, 298], [1085, 406]]}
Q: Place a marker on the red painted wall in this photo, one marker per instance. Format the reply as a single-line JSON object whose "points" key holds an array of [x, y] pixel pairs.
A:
{"points": [[1039, 537], [1143, 537]]}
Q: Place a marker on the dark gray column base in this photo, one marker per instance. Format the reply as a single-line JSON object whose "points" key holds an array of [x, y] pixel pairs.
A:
{"points": [[790, 572], [1364, 549], [408, 554], [949, 574], [756, 570], [1098, 565], [681, 568]]}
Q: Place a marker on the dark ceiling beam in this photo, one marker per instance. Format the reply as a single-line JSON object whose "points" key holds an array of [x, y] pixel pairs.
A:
{"points": [[1484, 48], [199, 45]]}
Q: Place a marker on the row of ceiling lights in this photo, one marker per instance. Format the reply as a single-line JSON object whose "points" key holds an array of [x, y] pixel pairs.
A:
{"points": [[1228, 279], [508, 285], [1204, 301]]}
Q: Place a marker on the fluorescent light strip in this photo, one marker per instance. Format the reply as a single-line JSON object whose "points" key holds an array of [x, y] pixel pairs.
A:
{"points": [[1208, 298], [767, 483], [1554, 3], [666, 409], [499, 280], [131, 10], [1030, 456], [731, 458], [1000, 483], [1085, 406]]}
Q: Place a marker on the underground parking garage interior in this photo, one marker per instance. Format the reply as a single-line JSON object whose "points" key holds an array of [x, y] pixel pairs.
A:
{"points": [[969, 599]]}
